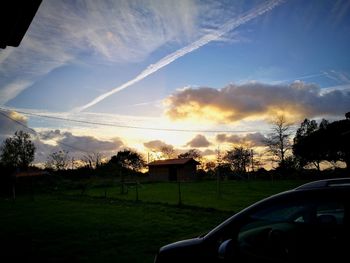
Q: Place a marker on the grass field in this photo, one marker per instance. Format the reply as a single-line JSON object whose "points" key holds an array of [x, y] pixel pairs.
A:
{"points": [[234, 195], [68, 227]]}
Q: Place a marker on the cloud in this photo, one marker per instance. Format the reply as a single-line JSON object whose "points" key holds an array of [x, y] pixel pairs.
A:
{"points": [[42, 150], [11, 90], [74, 143], [338, 76], [157, 145], [208, 152], [51, 135], [213, 35], [10, 123], [256, 101], [198, 142], [252, 139], [64, 32]]}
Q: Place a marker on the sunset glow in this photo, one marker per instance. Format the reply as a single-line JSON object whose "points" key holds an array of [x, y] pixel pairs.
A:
{"points": [[101, 76]]}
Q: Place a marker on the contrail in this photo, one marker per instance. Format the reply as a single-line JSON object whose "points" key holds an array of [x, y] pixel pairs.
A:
{"points": [[225, 28]]}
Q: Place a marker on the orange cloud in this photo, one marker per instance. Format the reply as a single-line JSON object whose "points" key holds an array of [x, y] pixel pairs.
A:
{"points": [[252, 139], [199, 141], [255, 101]]}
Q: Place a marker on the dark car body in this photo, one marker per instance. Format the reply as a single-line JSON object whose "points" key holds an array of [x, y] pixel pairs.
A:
{"points": [[310, 222]]}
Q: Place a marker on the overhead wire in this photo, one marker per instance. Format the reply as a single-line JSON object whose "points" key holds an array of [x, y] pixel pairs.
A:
{"points": [[127, 126], [36, 133]]}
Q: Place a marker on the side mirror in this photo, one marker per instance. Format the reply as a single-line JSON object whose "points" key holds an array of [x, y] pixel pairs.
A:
{"points": [[226, 250]]}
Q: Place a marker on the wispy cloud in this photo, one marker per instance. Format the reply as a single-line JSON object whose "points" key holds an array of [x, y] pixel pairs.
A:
{"points": [[91, 31], [11, 90], [212, 36], [311, 76]]}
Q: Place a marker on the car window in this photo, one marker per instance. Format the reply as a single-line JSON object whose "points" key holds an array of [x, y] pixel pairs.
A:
{"points": [[287, 230], [309, 212]]}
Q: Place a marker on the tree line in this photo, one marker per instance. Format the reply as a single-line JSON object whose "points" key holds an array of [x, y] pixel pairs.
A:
{"points": [[313, 144]]}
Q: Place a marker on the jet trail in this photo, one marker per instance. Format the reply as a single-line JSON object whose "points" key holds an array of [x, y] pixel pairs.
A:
{"points": [[225, 28]]}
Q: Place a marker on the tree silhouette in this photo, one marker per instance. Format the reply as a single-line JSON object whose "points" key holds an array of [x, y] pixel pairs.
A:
{"points": [[167, 152], [347, 115], [92, 160], [192, 153], [306, 146], [17, 151], [278, 141], [239, 158], [329, 142], [128, 159], [337, 140], [58, 160]]}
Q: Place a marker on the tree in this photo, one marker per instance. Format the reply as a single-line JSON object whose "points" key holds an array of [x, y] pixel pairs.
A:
{"points": [[336, 140], [330, 142], [167, 152], [306, 145], [58, 160], [18, 151], [192, 153], [278, 141], [128, 159], [209, 166], [239, 158], [92, 160]]}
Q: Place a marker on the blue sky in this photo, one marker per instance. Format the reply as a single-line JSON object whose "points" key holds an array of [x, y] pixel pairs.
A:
{"points": [[200, 65]]}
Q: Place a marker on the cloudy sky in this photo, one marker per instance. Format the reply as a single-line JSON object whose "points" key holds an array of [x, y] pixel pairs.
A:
{"points": [[104, 75]]}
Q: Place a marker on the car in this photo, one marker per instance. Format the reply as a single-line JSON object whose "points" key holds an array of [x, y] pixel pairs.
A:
{"points": [[310, 222]]}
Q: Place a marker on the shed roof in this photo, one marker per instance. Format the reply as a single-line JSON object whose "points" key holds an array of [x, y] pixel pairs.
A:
{"points": [[178, 161]]}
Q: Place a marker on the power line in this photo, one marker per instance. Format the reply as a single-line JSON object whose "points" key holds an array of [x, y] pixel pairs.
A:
{"points": [[128, 126], [36, 133]]}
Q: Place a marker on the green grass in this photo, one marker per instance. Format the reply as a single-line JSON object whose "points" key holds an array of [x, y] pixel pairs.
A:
{"points": [[91, 228], [61, 229], [235, 195]]}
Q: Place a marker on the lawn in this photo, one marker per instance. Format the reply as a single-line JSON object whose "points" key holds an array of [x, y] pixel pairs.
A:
{"points": [[91, 228], [234, 195], [62, 229]]}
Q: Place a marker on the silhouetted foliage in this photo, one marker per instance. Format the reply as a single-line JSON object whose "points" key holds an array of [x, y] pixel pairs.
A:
{"points": [[92, 160], [347, 115], [192, 153], [329, 142], [337, 141], [128, 159], [307, 148], [239, 159], [58, 161], [17, 151], [167, 152]]}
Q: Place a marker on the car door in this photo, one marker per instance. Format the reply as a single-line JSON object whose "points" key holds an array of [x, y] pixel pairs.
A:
{"points": [[293, 229]]}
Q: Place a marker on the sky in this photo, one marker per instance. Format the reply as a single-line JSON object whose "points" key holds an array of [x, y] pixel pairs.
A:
{"points": [[101, 76]]}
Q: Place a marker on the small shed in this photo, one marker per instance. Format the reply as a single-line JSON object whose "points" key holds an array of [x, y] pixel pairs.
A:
{"points": [[183, 169]]}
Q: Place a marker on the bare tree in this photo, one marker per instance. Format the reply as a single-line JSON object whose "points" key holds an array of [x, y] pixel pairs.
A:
{"points": [[168, 152], [278, 141], [58, 160], [92, 160]]}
